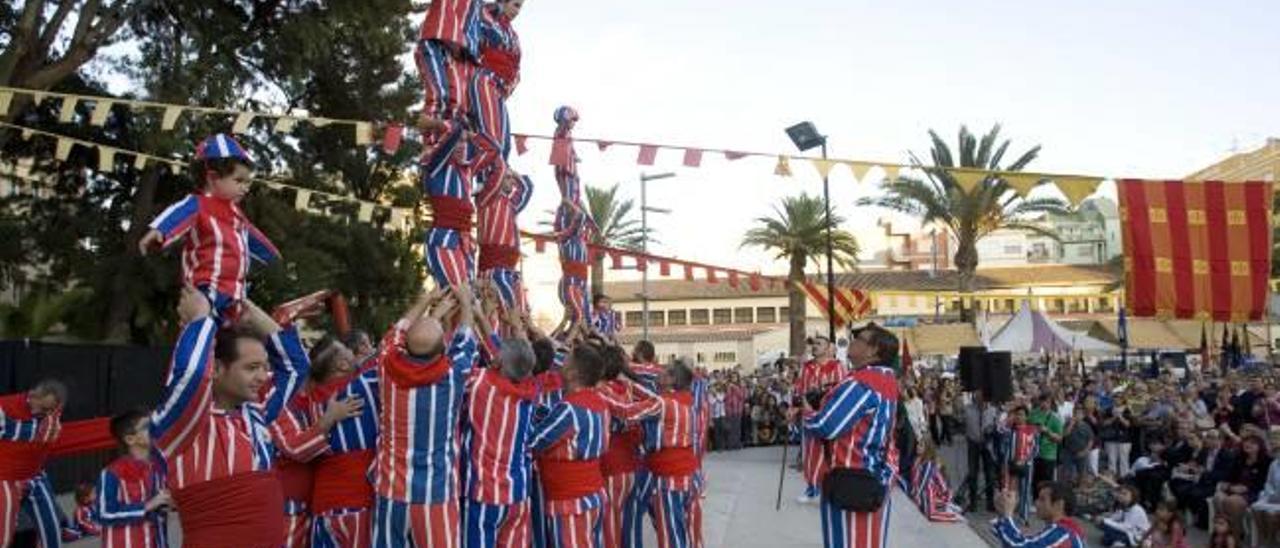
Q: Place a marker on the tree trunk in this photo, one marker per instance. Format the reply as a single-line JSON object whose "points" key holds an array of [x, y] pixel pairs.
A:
{"points": [[116, 323], [967, 264], [796, 304], [597, 275]]}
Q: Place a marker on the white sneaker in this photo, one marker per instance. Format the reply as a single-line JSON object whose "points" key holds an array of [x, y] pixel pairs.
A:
{"points": [[806, 499]]}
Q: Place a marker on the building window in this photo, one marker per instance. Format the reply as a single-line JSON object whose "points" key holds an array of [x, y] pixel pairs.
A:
{"points": [[656, 318], [1010, 305], [721, 316], [634, 318], [766, 314], [1012, 250], [725, 357], [784, 314], [700, 358], [676, 317], [699, 316], [742, 315], [1084, 251]]}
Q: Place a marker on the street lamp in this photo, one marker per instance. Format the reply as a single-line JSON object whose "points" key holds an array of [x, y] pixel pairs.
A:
{"points": [[805, 136], [644, 242]]}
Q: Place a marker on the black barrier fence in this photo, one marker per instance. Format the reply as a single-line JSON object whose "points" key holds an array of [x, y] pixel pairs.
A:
{"points": [[101, 380]]}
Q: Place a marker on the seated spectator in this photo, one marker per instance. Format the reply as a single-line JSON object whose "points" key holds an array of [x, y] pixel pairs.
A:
{"points": [[1150, 472], [1266, 509], [1167, 531], [1243, 482], [1128, 524]]}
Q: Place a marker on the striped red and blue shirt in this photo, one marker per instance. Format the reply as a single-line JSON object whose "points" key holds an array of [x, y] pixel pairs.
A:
{"points": [[201, 442], [25, 439], [418, 449], [499, 46], [124, 487], [1021, 443], [575, 429], [605, 321], [219, 242], [858, 417], [1062, 534], [497, 213], [671, 424], [498, 422], [455, 22]]}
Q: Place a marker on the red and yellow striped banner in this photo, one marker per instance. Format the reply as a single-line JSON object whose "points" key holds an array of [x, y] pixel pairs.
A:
{"points": [[1196, 249], [850, 304]]}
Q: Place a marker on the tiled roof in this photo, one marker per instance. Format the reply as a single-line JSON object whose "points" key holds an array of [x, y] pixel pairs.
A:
{"points": [[986, 279], [697, 334]]}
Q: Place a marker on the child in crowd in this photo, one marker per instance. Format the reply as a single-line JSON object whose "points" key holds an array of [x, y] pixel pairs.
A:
{"points": [[929, 487], [1167, 531], [1222, 536], [84, 522], [1020, 447], [1128, 524], [220, 240], [132, 499]]}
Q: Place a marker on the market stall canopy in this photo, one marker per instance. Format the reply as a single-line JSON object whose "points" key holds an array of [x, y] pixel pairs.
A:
{"points": [[1030, 331]]}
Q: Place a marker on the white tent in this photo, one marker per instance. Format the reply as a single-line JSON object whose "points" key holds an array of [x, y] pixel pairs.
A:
{"points": [[1031, 331]]}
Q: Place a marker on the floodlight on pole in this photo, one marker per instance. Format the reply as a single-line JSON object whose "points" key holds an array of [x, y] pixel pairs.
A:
{"points": [[805, 135]]}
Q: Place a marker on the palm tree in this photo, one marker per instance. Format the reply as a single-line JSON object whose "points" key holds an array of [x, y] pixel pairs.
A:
{"points": [[797, 233], [618, 227], [993, 204]]}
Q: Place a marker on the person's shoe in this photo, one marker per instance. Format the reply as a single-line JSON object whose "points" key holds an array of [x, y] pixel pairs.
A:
{"points": [[805, 498]]}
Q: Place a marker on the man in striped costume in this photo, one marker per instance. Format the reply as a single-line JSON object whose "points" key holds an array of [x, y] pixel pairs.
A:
{"points": [[604, 320], [574, 228], [817, 377], [446, 182], [212, 427], [29, 425], [220, 240], [446, 54], [341, 495], [622, 459], [494, 81], [421, 385], [131, 494], [647, 376], [930, 490], [499, 237], [1054, 503], [856, 422], [669, 422], [497, 425], [550, 390], [569, 443]]}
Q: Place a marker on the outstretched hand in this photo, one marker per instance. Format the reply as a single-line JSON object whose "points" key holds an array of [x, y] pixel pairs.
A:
{"points": [[152, 240]]}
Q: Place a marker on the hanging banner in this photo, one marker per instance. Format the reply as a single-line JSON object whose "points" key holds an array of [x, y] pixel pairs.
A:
{"points": [[1196, 249], [850, 304]]}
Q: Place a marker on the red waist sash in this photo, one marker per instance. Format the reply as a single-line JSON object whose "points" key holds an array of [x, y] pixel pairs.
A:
{"points": [[498, 256], [295, 479], [22, 460], [342, 482], [675, 462], [623, 456], [242, 510], [451, 213], [504, 63], [570, 479], [573, 269]]}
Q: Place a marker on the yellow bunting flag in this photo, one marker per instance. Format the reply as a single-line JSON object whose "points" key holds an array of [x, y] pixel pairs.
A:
{"points": [[6, 97], [170, 118], [68, 109], [285, 124], [63, 149], [101, 109], [175, 169], [859, 169], [890, 172], [823, 166], [396, 220], [242, 122], [106, 158], [1021, 183], [365, 214], [364, 133], [1076, 189], [967, 180], [140, 162], [783, 169]]}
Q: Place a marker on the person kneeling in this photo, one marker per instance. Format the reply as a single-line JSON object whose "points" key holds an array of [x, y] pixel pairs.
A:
{"points": [[1053, 502]]}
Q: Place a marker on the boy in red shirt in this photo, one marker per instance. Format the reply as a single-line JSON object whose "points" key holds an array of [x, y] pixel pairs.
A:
{"points": [[131, 494]]}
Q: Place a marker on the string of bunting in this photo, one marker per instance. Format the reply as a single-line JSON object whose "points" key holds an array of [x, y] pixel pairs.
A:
{"points": [[396, 218], [1074, 187]]}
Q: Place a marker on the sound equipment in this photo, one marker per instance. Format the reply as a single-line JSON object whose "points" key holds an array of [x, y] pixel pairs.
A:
{"points": [[999, 377], [971, 363]]}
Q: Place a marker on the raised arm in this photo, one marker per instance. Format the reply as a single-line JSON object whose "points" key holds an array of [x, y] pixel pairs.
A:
{"points": [[187, 394], [289, 366], [260, 247], [549, 430], [842, 410], [176, 220], [12, 429]]}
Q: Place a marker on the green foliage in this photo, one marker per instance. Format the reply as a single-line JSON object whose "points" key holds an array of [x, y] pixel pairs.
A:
{"points": [[797, 233]]}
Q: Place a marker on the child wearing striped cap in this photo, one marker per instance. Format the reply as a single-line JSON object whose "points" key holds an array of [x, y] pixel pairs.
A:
{"points": [[220, 240]]}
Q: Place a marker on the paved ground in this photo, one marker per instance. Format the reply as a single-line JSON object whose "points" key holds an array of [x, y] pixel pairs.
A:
{"points": [[739, 510]]}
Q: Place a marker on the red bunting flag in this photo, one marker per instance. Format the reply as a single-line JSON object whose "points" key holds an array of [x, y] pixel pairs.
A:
{"points": [[641, 263], [692, 157], [688, 272], [733, 278], [562, 153], [732, 155], [648, 153], [664, 268], [602, 145], [754, 282], [391, 138], [711, 276], [522, 144], [1196, 249], [539, 245], [615, 260]]}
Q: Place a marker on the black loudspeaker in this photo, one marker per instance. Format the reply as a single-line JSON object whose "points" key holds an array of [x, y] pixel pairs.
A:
{"points": [[971, 365], [999, 377]]}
